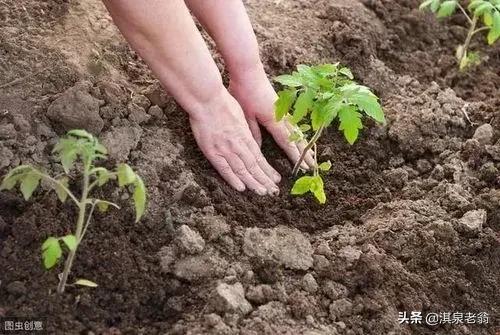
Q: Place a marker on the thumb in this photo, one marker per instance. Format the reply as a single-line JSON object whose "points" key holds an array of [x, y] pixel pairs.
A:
{"points": [[255, 129]]}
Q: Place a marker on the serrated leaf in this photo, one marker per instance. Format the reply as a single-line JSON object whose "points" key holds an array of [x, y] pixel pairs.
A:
{"points": [[425, 4], [317, 188], [325, 166], [350, 123], [85, 282], [483, 8], [81, 133], [70, 241], [302, 185], [51, 252], [435, 5], [494, 33], [304, 127], [14, 175], [289, 80], [139, 198], [330, 110], [326, 69], [60, 191], [101, 149], [447, 8], [125, 175], [302, 105], [317, 118], [283, 104], [29, 183], [346, 72], [369, 104], [103, 176], [488, 19]]}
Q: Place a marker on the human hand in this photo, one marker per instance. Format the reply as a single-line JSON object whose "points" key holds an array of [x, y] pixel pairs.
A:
{"points": [[224, 137], [256, 96]]}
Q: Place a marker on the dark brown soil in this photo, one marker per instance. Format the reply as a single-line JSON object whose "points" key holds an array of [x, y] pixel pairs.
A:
{"points": [[412, 221]]}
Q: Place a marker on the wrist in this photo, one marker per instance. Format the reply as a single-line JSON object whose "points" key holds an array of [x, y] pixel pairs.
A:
{"points": [[247, 72], [218, 100]]}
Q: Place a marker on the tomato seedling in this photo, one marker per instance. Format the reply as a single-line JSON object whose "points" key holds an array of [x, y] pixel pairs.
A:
{"points": [[487, 11], [314, 97], [78, 146]]}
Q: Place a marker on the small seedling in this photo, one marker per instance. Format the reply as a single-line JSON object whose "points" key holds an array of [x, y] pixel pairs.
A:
{"points": [[487, 11], [317, 96], [78, 147]]}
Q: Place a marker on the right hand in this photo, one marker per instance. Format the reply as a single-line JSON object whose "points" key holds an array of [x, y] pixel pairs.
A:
{"points": [[224, 137]]}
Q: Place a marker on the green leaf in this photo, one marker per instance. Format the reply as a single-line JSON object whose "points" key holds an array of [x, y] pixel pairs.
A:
{"points": [[317, 117], [488, 19], [326, 69], [284, 102], [494, 32], [330, 110], [11, 179], [370, 105], [485, 7], [101, 148], [447, 8], [85, 282], [425, 4], [350, 123], [302, 106], [302, 185], [103, 176], [139, 198], [125, 174], [67, 149], [304, 127], [70, 241], [103, 205], [317, 188], [81, 133], [435, 5], [51, 252], [346, 72], [289, 80], [325, 166], [60, 191], [29, 183]]}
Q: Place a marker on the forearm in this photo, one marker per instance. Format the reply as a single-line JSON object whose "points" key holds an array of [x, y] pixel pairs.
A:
{"points": [[165, 36], [228, 24]]}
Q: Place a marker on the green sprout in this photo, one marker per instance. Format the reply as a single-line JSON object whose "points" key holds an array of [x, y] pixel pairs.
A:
{"points": [[487, 11], [318, 95], [81, 146]]}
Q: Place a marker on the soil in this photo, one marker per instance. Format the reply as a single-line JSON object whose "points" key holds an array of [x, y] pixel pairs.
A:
{"points": [[412, 221]]}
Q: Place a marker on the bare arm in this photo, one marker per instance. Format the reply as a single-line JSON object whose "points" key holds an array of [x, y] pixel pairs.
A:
{"points": [[164, 34], [229, 25]]}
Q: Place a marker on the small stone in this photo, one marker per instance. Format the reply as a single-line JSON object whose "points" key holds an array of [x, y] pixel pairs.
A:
{"points": [[437, 173], [350, 254], [309, 283], [16, 288], [334, 290], [397, 177], [473, 221], [324, 249], [494, 151], [189, 240], [488, 172], [231, 299], [156, 112], [141, 101], [321, 264], [260, 294], [137, 114], [77, 109], [200, 267], [287, 246], [340, 308], [212, 320], [120, 141], [484, 134], [167, 257], [213, 226], [424, 166], [7, 131], [310, 320], [6, 156]]}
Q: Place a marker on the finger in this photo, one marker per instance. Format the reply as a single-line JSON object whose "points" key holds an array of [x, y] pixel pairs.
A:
{"points": [[281, 133], [255, 129], [253, 167], [240, 170], [226, 172], [263, 163]]}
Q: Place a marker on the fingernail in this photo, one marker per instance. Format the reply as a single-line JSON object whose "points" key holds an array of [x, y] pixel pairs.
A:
{"points": [[276, 177], [261, 191], [275, 191]]}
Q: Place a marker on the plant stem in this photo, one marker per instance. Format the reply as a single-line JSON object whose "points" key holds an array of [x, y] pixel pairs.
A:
{"points": [[82, 206], [306, 150], [465, 13], [470, 34]]}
